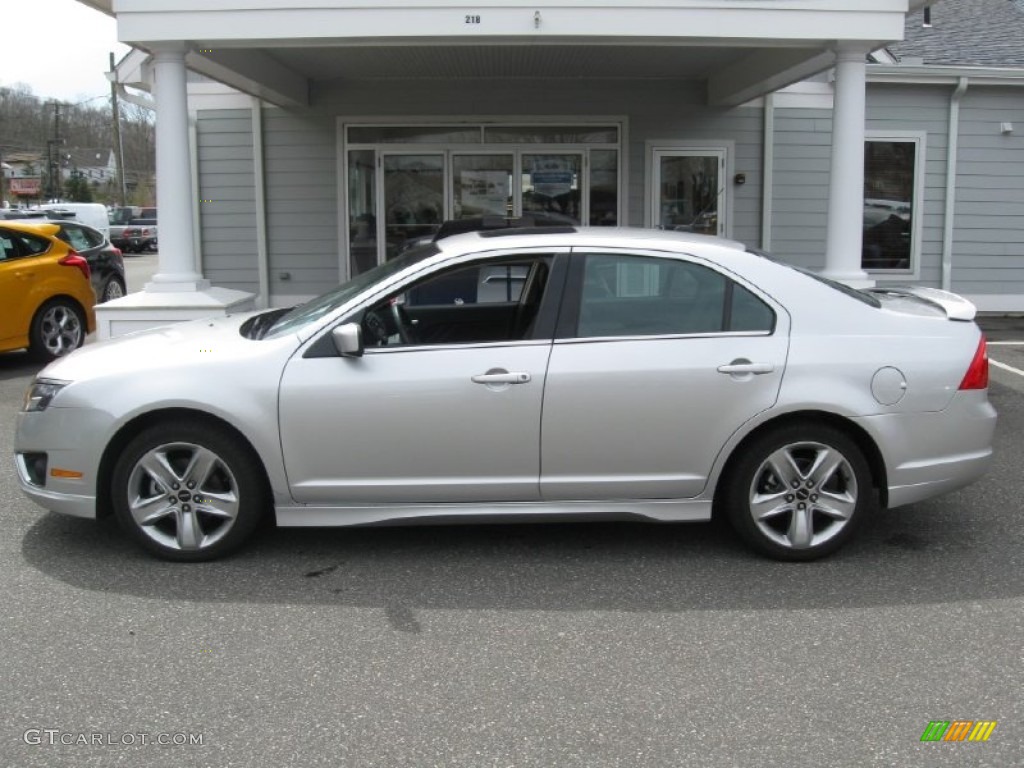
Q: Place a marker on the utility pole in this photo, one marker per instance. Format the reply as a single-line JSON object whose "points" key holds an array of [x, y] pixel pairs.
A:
{"points": [[54, 159], [119, 145]]}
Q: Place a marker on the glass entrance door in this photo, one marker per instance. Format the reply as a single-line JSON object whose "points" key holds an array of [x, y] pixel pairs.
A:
{"points": [[552, 186], [482, 185], [413, 191], [689, 190]]}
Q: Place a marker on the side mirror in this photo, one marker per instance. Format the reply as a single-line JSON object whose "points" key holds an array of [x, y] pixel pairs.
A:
{"points": [[348, 340]]}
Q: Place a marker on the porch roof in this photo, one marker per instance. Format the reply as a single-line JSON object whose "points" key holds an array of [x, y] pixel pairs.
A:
{"points": [[739, 49]]}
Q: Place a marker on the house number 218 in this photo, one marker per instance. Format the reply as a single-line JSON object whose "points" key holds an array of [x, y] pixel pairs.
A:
{"points": [[472, 19]]}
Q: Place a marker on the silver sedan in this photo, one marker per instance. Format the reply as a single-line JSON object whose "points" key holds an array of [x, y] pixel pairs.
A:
{"points": [[509, 375]]}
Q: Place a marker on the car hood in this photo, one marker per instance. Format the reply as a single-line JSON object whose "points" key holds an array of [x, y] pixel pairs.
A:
{"points": [[197, 342]]}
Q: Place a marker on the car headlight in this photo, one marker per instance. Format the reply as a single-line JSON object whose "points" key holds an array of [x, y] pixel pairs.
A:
{"points": [[42, 391]]}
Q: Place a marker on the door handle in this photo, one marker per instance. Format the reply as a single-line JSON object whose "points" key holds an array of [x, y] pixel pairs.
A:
{"points": [[745, 366], [503, 377]]}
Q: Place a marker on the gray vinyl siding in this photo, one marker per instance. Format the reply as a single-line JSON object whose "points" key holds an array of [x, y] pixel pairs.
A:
{"points": [[227, 223], [802, 154], [803, 151], [988, 241], [302, 202]]}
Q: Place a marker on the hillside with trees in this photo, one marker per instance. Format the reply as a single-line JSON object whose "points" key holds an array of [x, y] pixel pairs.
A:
{"points": [[38, 137]]}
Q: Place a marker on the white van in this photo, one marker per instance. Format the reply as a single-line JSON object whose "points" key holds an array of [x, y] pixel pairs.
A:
{"points": [[90, 214]]}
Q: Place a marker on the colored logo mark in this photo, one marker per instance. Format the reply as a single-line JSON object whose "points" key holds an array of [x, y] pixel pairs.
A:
{"points": [[958, 730]]}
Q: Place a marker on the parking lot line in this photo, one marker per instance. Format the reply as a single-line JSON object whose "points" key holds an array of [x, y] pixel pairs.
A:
{"points": [[1005, 343], [1005, 367]]}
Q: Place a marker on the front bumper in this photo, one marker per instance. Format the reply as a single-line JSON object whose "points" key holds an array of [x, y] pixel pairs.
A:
{"points": [[72, 440], [929, 454]]}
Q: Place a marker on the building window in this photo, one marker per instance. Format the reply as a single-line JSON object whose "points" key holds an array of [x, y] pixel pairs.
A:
{"points": [[892, 188]]}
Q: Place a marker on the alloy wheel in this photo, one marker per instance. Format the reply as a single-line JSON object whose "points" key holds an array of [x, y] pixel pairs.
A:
{"points": [[803, 495], [60, 330], [183, 496]]}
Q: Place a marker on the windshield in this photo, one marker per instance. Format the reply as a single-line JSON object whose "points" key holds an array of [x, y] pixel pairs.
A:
{"points": [[323, 305], [120, 216]]}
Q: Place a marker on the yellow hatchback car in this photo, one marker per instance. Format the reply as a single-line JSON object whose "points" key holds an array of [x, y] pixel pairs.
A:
{"points": [[46, 297]]}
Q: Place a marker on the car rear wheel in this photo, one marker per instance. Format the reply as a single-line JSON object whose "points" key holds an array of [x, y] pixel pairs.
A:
{"points": [[112, 289], [58, 329], [798, 492], [188, 491]]}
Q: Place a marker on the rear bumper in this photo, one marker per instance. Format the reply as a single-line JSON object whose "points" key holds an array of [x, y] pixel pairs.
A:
{"points": [[929, 454]]}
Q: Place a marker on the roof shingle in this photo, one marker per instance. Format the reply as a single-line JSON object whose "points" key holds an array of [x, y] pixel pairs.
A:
{"points": [[982, 33]]}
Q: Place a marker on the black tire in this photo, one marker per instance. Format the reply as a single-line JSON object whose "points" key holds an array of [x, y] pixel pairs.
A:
{"points": [[112, 289], [188, 523], [812, 518], [58, 329]]}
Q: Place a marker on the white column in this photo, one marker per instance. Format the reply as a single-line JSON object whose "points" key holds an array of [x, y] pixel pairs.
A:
{"points": [[846, 183], [176, 267]]}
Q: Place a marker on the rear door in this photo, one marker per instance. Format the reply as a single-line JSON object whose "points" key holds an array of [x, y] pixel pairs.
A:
{"points": [[658, 361]]}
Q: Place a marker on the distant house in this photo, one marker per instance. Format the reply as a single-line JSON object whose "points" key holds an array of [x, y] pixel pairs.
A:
{"points": [[95, 165], [848, 137]]}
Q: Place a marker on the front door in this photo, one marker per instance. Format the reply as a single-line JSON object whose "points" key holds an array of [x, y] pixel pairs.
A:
{"points": [[414, 195], [444, 406], [552, 186], [414, 425], [689, 190], [482, 184]]}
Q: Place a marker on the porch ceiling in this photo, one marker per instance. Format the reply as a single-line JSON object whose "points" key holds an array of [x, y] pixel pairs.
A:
{"points": [[504, 61], [285, 74]]}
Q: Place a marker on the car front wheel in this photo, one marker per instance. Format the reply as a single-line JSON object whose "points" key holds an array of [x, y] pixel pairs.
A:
{"points": [[188, 491], [798, 492]]}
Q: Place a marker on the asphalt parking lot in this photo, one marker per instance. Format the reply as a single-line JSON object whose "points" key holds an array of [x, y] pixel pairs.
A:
{"points": [[559, 645]]}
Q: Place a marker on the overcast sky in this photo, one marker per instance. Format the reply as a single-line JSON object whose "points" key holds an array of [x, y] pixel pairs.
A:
{"points": [[59, 48]]}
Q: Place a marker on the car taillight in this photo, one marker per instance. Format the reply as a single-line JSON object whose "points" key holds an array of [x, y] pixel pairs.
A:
{"points": [[977, 374], [117, 251], [74, 260]]}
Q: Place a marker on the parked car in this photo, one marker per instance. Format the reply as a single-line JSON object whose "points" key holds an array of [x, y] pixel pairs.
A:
{"points": [[106, 264], [46, 299], [137, 237], [90, 214], [635, 374], [134, 229]]}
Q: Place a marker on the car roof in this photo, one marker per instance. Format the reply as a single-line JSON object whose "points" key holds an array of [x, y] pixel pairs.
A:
{"points": [[596, 237], [32, 226]]}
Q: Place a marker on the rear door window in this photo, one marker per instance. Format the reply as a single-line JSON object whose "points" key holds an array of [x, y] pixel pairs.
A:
{"points": [[635, 295]]}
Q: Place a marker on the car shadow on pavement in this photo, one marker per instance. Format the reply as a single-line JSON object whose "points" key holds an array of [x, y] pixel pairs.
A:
{"points": [[966, 546], [14, 365]]}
